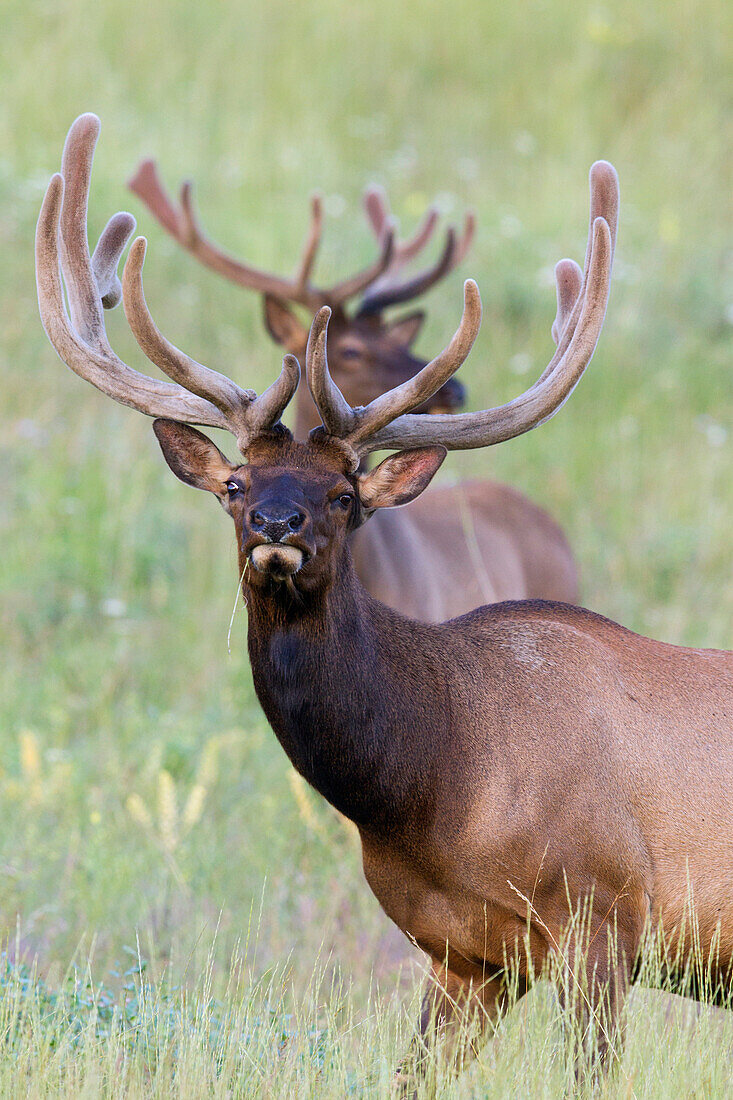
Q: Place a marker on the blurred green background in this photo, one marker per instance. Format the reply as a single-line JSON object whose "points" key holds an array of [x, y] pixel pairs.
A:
{"points": [[139, 784]]}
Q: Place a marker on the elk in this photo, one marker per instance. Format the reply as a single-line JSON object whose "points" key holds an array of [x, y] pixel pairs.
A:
{"points": [[507, 547], [500, 767]]}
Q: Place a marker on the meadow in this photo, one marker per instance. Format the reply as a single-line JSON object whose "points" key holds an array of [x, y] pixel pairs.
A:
{"points": [[180, 915]]}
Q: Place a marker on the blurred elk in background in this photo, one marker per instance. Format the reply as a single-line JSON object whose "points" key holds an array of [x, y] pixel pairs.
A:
{"points": [[460, 545]]}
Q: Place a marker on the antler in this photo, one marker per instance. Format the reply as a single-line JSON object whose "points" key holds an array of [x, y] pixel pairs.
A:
{"points": [[197, 395], [181, 223], [388, 290], [378, 282], [386, 423]]}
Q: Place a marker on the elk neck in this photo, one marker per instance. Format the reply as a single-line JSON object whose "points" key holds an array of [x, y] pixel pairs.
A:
{"points": [[360, 704]]}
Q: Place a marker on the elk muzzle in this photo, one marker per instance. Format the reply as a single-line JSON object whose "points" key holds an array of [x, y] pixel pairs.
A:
{"points": [[274, 538], [277, 558]]}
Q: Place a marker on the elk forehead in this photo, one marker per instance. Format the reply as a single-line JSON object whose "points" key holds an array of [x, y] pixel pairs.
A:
{"points": [[280, 453], [302, 472]]}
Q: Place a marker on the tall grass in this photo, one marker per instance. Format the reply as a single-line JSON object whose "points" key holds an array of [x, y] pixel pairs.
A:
{"points": [[231, 1033], [141, 792]]}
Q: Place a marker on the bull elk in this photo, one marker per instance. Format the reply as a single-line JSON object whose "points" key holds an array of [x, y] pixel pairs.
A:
{"points": [[527, 750], [462, 545]]}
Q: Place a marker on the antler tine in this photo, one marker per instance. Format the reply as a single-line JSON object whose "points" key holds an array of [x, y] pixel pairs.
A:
{"points": [[147, 186], [80, 339], [183, 225], [376, 206], [85, 306], [336, 413], [482, 429], [466, 238], [384, 409], [266, 410], [604, 203], [107, 255], [312, 242], [568, 283], [188, 226], [422, 236]]}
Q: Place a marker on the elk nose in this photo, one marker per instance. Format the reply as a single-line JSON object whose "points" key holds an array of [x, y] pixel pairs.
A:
{"points": [[275, 521]]}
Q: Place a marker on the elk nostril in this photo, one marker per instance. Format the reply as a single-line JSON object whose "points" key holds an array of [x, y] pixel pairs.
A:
{"points": [[257, 519], [295, 522]]}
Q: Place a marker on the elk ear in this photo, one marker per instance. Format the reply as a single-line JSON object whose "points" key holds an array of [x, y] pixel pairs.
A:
{"points": [[400, 478], [283, 326], [193, 457], [404, 330]]}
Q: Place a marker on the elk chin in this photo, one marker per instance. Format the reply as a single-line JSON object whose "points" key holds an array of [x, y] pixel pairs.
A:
{"points": [[277, 560]]}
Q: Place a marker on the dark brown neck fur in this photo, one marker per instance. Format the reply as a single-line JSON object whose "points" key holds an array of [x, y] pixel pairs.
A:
{"points": [[335, 677]]}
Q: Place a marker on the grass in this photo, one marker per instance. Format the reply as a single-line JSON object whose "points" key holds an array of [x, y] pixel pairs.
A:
{"points": [[142, 795], [134, 1035]]}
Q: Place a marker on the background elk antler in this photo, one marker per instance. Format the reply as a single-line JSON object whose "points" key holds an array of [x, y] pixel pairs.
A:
{"points": [[387, 289], [379, 283], [369, 355]]}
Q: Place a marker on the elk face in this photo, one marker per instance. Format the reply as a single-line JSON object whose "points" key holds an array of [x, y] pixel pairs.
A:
{"points": [[367, 356], [293, 504]]}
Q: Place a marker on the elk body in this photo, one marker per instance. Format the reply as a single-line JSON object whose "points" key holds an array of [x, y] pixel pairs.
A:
{"points": [[527, 750], [461, 545]]}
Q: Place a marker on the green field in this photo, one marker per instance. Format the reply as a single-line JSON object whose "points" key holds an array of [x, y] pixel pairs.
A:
{"points": [[146, 810]]}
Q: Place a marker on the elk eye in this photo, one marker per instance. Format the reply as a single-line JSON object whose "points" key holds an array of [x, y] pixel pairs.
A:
{"points": [[350, 352], [233, 488], [346, 499]]}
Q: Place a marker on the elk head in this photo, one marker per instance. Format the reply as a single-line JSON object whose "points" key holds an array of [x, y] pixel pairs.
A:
{"points": [[368, 354], [293, 503]]}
